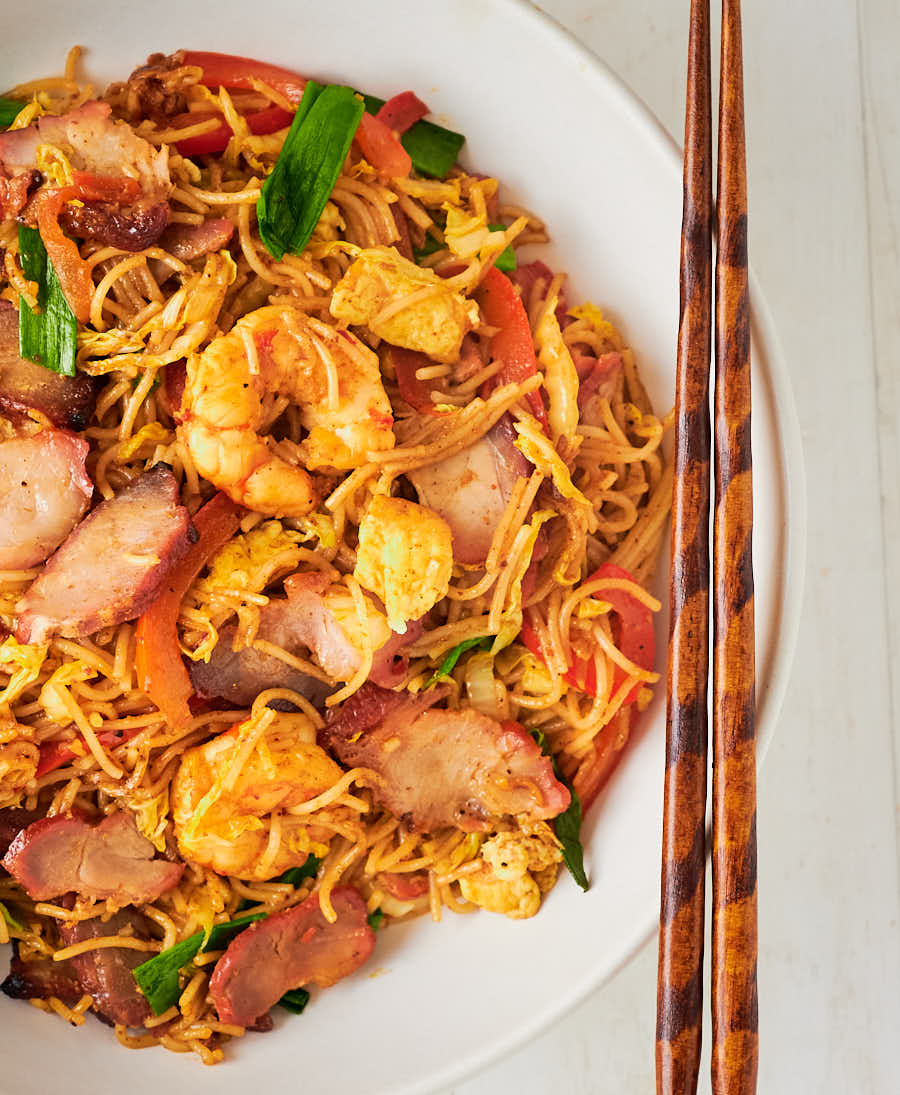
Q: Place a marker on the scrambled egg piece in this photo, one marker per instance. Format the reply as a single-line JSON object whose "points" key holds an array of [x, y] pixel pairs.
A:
{"points": [[517, 870], [227, 790], [245, 562], [405, 557], [18, 763], [435, 320], [595, 319]]}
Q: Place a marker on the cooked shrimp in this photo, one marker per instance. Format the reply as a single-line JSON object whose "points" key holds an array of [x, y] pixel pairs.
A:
{"points": [[333, 378], [229, 793]]}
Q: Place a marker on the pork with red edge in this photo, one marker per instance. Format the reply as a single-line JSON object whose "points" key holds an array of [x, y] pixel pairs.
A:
{"points": [[39, 978], [471, 489], [15, 192], [106, 974], [108, 860], [44, 492], [192, 241], [131, 229], [238, 677], [599, 378], [315, 625], [300, 623], [403, 243], [93, 142], [405, 887], [390, 664], [286, 951], [13, 819], [67, 401], [111, 565], [154, 90], [441, 768]]}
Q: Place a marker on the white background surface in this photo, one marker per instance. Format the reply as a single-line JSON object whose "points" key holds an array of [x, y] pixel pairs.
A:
{"points": [[823, 112]]}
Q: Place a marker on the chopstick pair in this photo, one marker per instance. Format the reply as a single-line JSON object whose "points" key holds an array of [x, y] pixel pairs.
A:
{"points": [[734, 927]]}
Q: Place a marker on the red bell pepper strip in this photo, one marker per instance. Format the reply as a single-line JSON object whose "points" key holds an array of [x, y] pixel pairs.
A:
{"points": [[382, 148], [109, 188], [402, 111], [413, 391], [160, 669], [260, 122], [379, 144], [231, 71], [513, 344], [73, 272], [607, 750], [632, 627], [54, 754]]}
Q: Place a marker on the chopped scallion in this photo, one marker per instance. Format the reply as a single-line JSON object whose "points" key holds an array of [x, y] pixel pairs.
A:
{"points": [[295, 1000], [375, 917], [449, 663], [567, 825], [295, 875], [428, 248], [294, 195], [46, 337], [9, 111], [568, 828], [158, 978], [506, 260], [12, 921], [432, 148]]}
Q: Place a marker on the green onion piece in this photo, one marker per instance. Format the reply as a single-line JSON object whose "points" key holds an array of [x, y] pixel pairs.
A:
{"points": [[506, 260], [432, 148], [541, 738], [428, 248], [567, 825], [48, 336], [374, 919], [295, 1000], [13, 922], [9, 111], [294, 195], [295, 875], [449, 663], [157, 978]]}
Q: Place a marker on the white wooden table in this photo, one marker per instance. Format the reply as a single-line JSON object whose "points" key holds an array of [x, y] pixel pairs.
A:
{"points": [[823, 111]]}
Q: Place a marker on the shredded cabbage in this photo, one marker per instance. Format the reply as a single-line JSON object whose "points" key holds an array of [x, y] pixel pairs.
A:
{"points": [[22, 661], [51, 694]]}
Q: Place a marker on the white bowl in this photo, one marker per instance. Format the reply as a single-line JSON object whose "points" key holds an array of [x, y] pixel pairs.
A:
{"points": [[568, 140]]}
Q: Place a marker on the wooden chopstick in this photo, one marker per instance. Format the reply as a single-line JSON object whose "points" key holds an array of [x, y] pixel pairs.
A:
{"points": [[734, 939], [734, 935], [679, 998]]}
